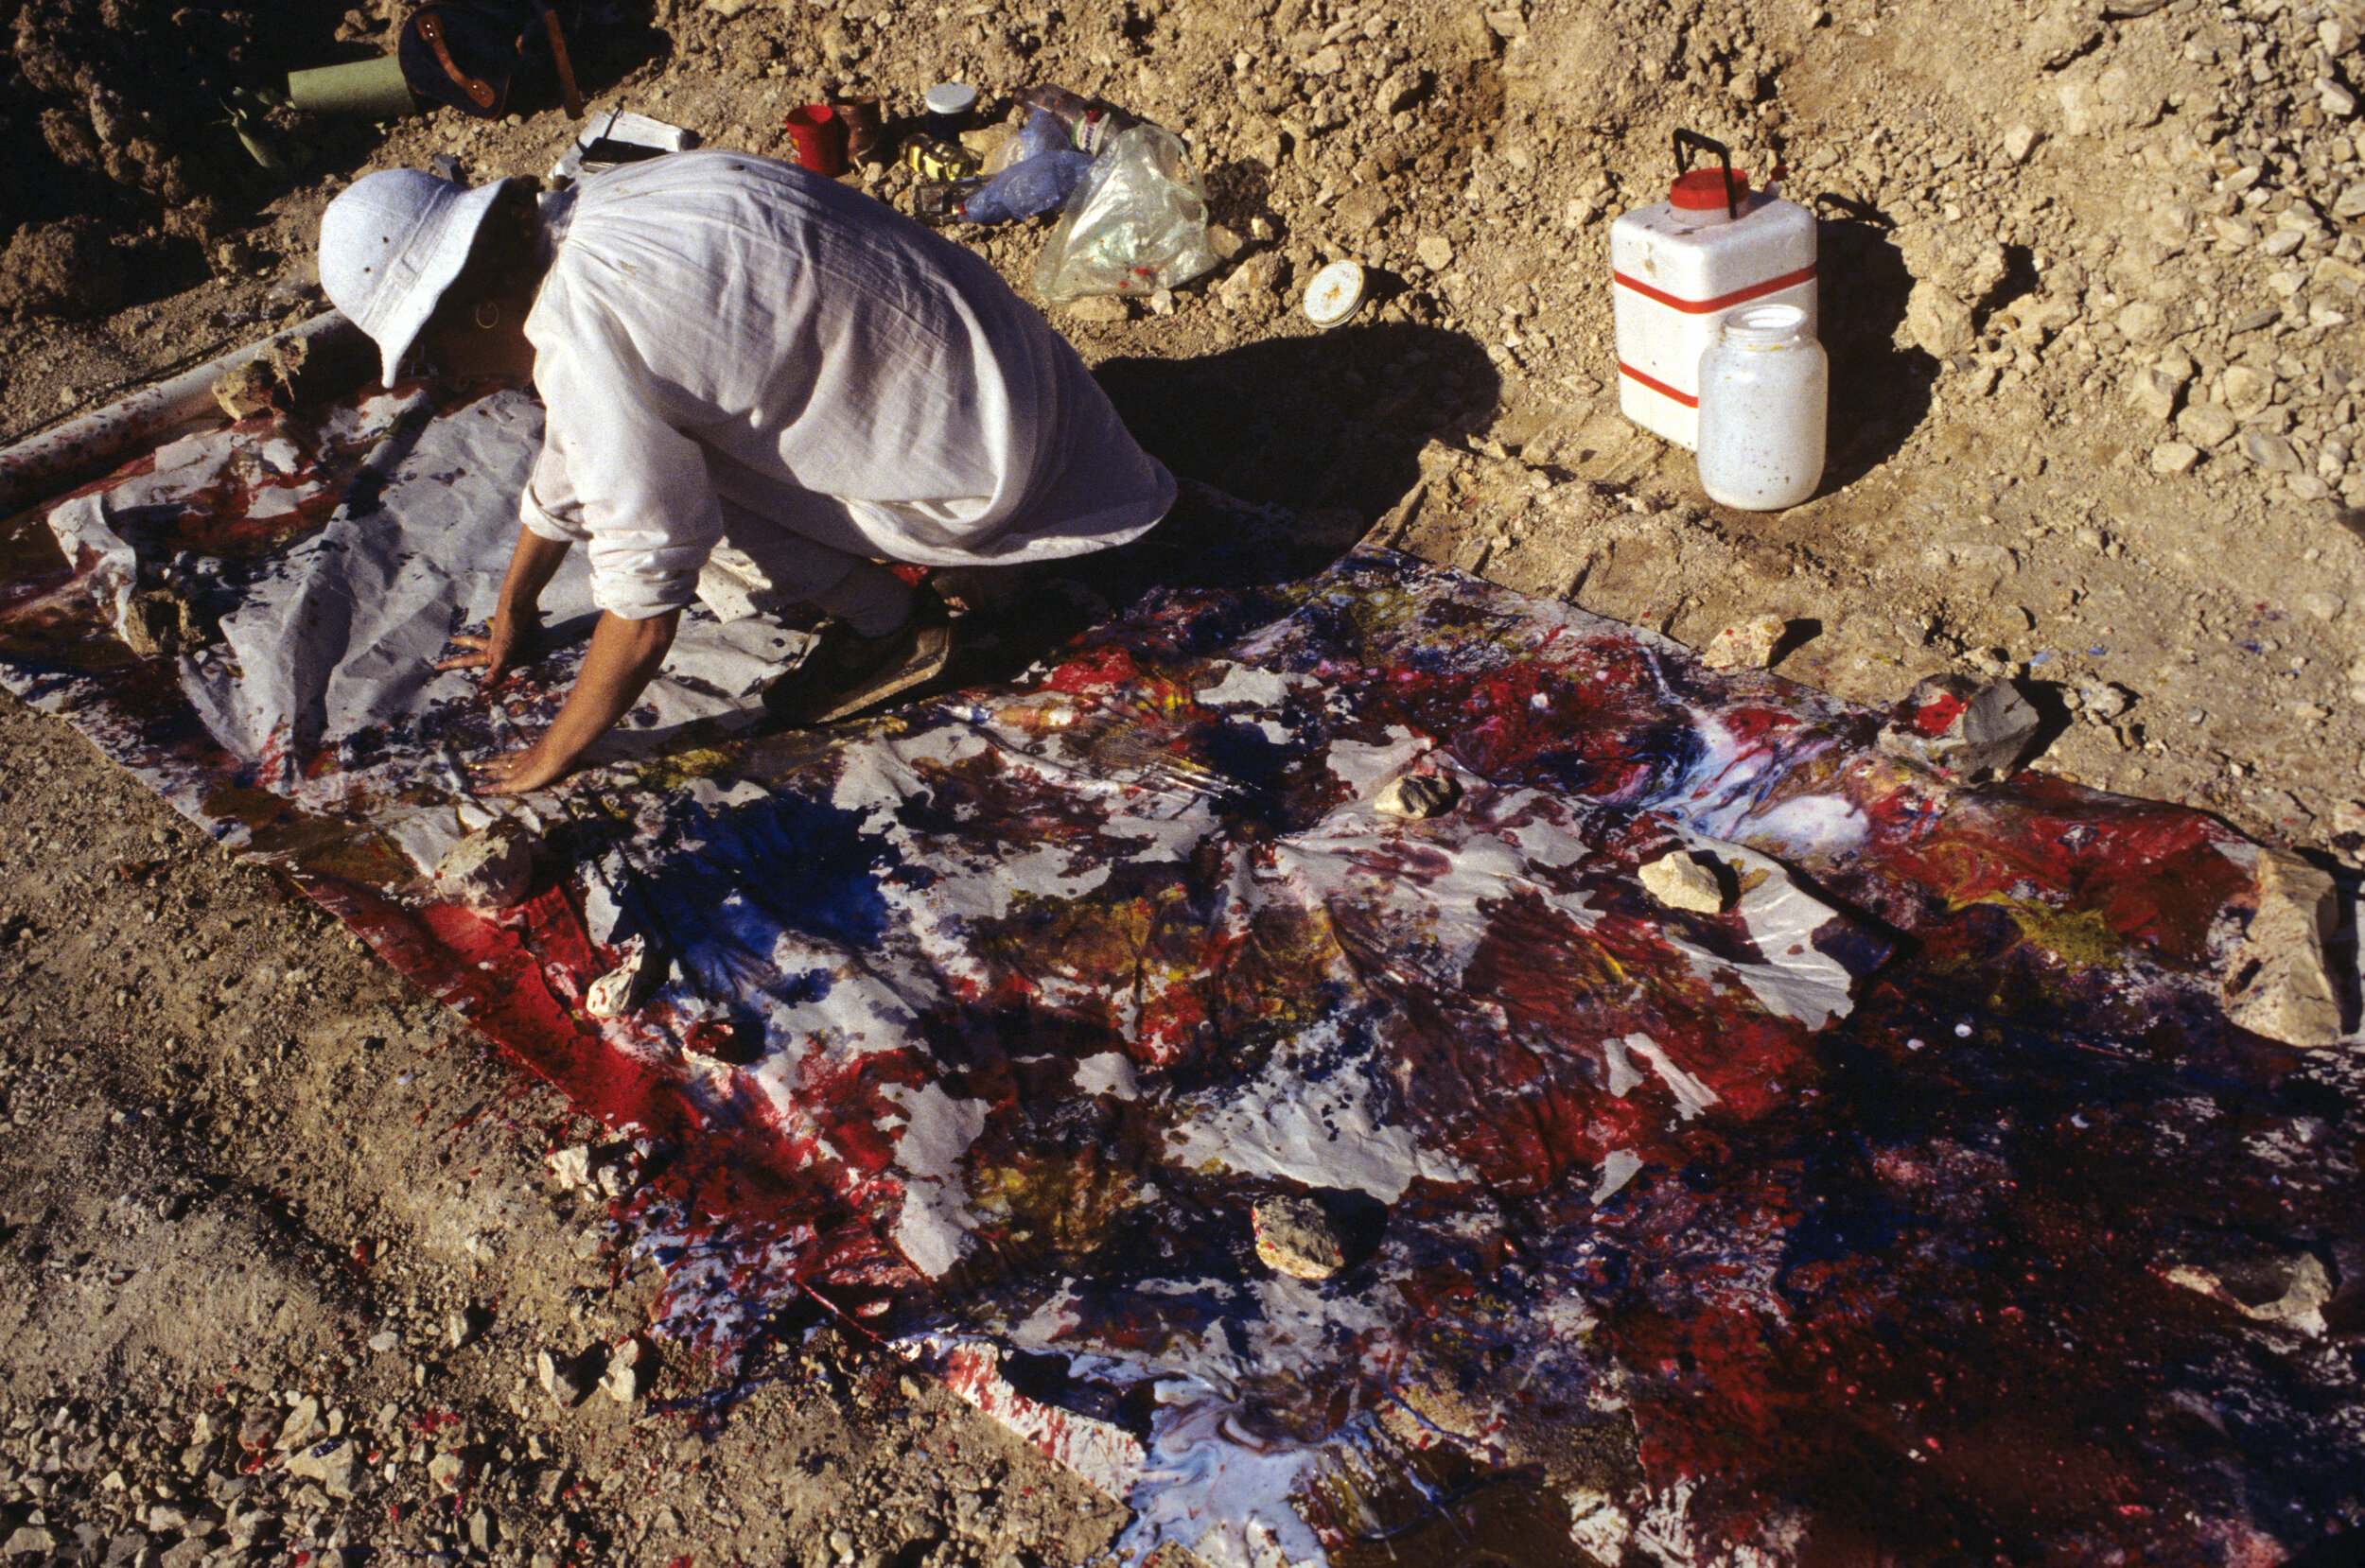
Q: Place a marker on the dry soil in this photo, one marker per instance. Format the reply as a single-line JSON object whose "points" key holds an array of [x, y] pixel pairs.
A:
{"points": [[2092, 275]]}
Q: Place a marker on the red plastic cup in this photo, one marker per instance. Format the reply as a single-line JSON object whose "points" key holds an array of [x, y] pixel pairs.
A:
{"points": [[820, 138]]}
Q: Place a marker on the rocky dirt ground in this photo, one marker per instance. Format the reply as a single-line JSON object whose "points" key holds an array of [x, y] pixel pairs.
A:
{"points": [[282, 1255]]}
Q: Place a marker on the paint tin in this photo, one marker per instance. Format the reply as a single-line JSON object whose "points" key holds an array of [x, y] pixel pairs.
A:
{"points": [[864, 126], [1335, 294]]}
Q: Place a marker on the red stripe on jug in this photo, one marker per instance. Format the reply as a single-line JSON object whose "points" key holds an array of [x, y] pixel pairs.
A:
{"points": [[1701, 308], [1659, 387]]}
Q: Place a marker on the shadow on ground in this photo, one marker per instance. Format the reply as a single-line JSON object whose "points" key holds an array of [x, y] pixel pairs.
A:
{"points": [[1880, 393], [1317, 434], [1332, 419]]}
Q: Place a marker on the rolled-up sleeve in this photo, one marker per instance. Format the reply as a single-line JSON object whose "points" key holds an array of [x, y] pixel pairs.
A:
{"points": [[549, 507], [614, 472]]}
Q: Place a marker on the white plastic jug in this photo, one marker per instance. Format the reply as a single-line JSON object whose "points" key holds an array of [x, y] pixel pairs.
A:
{"points": [[1679, 267], [1764, 398]]}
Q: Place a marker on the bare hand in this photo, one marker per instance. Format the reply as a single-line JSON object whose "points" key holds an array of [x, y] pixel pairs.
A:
{"points": [[505, 647], [520, 771]]}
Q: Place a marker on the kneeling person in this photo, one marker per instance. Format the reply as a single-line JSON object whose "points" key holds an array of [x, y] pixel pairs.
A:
{"points": [[759, 383]]}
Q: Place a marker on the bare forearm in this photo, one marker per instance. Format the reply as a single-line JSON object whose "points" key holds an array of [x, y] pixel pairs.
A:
{"points": [[624, 658], [518, 619], [532, 565]]}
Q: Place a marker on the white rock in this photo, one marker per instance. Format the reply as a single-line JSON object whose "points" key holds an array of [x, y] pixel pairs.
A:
{"points": [[2104, 698], [302, 1423], [2020, 141], [1296, 1236], [2278, 985], [2206, 424], [2245, 390], [1938, 320], [1250, 287], [571, 1165], [491, 868], [2174, 457], [1746, 645], [560, 1375], [448, 1470], [611, 995], [1435, 251], [1679, 882], [2340, 275], [2081, 106], [1417, 795], [2238, 234], [621, 1380], [335, 1463], [2335, 99], [2154, 389], [1400, 90], [2142, 322]]}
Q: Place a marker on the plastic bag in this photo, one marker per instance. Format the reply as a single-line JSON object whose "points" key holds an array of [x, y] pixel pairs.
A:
{"points": [[1137, 224], [1043, 172]]}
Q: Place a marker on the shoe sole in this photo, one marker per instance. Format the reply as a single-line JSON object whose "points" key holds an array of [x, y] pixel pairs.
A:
{"points": [[925, 662]]}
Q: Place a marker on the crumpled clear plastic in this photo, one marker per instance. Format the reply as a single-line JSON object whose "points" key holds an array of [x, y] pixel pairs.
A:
{"points": [[1137, 224], [1044, 171]]}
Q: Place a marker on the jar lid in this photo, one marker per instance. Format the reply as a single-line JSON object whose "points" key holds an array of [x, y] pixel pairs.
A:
{"points": [[1703, 190], [950, 97], [1335, 293]]}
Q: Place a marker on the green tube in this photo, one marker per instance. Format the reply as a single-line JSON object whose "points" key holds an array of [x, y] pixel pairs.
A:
{"points": [[371, 88]]}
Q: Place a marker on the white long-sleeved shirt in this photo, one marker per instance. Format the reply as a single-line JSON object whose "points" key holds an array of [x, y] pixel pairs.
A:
{"points": [[716, 325]]}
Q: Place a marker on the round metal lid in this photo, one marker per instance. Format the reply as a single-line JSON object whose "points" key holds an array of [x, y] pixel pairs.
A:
{"points": [[1335, 293], [950, 97]]}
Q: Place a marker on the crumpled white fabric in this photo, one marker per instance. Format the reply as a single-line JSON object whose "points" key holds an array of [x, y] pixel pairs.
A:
{"points": [[731, 348]]}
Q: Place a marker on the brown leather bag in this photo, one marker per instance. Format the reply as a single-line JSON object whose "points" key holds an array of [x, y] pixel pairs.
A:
{"points": [[475, 54]]}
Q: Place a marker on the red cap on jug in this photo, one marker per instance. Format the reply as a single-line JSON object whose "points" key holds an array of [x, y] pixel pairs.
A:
{"points": [[1703, 190]]}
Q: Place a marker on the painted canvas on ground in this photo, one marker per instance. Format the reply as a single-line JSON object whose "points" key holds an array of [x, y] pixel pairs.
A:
{"points": [[1902, 1194]]}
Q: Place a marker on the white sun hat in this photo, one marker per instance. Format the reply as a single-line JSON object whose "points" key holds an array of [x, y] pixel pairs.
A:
{"points": [[391, 245]]}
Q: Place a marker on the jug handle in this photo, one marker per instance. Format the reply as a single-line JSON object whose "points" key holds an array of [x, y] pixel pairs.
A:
{"points": [[1685, 140]]}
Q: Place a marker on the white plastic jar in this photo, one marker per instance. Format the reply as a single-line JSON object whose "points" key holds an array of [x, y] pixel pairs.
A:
{"points": [[1764, 394]]}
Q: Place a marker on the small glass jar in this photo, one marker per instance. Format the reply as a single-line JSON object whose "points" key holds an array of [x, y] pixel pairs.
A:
{"points": [[949, 105], [1764, 392]]}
